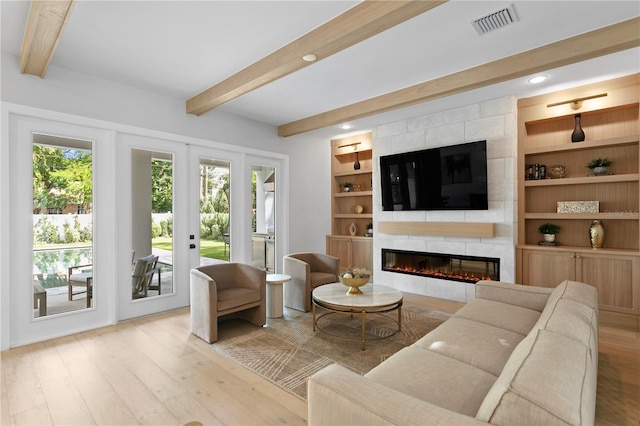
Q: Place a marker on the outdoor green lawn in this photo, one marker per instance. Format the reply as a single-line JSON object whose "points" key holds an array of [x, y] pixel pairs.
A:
{"points": [[208, 248]]}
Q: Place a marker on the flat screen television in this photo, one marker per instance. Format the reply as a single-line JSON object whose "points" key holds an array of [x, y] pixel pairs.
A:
{"points": [[446, 178]]}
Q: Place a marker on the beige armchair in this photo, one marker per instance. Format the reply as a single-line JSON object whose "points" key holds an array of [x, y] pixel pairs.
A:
{"points": [[232, 290], [307, 271]]}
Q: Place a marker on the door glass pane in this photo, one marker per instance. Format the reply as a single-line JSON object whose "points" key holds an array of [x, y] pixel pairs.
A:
{"points": [[152, 224], [215, 192], [62, 225], [263, 181]]}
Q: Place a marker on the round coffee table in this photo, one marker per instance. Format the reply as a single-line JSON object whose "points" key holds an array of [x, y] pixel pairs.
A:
{"points": [[375, 299]]}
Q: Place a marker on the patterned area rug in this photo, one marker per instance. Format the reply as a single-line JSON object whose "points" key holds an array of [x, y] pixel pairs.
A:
{"points": [[287, 351]]}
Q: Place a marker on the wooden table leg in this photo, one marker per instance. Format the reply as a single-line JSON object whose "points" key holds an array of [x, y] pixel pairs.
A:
{"points": [[313, 310]]}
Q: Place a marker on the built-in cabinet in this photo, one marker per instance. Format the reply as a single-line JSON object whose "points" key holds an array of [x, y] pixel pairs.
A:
{"points": [[609, 117], [351, 201], [613, 275], [352, 251]]}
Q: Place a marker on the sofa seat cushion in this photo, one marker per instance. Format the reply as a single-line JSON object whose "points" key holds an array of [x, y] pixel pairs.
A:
{"points": [[236, 297], [550, 379], [435, 378], [320, 278], [480, 345], [509, 317]]}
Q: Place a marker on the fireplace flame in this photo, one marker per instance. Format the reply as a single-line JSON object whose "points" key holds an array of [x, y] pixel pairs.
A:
{"points": [[448, 275]]}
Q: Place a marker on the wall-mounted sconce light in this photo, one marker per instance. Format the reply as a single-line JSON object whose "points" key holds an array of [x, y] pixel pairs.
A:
{"points": [[356, 164], [577, 102]]}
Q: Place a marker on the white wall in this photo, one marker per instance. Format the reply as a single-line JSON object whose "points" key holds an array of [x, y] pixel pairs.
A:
{"points": [[492, 120], [309, 193], [71, 92]]}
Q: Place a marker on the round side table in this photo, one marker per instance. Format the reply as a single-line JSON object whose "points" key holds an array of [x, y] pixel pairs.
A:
{"points": [[274, 294]]}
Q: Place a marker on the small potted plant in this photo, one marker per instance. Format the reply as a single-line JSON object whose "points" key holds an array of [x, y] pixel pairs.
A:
{"points": [[369, 232], [347, 186], [599, 165], [549, 230]]}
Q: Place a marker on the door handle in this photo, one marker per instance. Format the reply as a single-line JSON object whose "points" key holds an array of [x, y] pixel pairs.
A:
{"points": [[192, 246]]}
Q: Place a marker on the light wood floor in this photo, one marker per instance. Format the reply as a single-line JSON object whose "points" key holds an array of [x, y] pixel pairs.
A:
{"points": [[153, 371]]}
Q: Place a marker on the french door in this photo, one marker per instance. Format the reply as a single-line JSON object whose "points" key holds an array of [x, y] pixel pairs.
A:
{"points": [[153, 248], [60, 208], [112, 233]]}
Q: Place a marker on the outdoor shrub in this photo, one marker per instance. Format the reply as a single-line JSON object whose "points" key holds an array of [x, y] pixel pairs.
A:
{"points": [[84, 233], [222, 224], [45, 232], [156, 229], [207, 226], [70, 235]]}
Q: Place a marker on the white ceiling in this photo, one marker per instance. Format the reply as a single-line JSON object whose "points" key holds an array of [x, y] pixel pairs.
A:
{"points": [[181, 48]]}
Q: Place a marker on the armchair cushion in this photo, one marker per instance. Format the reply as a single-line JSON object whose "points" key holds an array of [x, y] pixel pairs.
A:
{"points": [[234, 297], [320, 278]]}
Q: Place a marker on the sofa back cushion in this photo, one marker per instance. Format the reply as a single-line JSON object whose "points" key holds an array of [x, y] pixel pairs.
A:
{"points": [[551, 376], [550, 379], [570, 290]]}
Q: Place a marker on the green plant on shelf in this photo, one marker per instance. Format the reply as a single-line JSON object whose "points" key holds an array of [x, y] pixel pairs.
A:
{"points": [[549, 228], [599, 162]]}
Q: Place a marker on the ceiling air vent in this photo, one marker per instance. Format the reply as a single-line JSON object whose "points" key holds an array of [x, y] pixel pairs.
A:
{"points": [[495, 20]]}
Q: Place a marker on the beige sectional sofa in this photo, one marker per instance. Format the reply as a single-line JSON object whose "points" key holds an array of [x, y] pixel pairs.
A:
{"points": [[515, 355]]}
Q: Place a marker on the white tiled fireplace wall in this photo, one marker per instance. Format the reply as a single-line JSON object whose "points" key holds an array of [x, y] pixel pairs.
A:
{"points": [[492, 120]]}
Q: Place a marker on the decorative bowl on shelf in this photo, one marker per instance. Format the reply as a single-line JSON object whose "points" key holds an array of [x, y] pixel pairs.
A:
{"points": [[557, 171], [354, 284]]}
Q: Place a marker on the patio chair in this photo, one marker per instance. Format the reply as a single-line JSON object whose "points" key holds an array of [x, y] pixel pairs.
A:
{"points": [[142, 275], [79, 276]]}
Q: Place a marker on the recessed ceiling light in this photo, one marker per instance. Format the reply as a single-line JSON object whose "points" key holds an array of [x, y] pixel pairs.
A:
{"points": [[309, 57], [345, 126], [537, 79]]}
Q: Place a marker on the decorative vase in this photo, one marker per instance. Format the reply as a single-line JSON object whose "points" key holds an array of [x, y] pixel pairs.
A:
{"points": [[599, 171], [354, 284], [353, 229], [359, 208], [578, 133], [549, 237], [356, 165], [596, 234]]}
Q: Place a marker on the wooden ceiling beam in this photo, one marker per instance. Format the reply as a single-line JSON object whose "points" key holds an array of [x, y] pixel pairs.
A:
{"points": [[46, 22], [614, 38], [364, 20]]}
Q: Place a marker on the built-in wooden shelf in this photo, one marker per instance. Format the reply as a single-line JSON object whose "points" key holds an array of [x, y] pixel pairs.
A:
{"points": [[353, 216], [579, 249], [608, 215], [353, 172], [352, 250], [449, 229], [629, 177], [611, 142], [353, 194]]}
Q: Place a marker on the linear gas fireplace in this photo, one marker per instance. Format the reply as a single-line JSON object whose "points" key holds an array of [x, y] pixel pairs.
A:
{"points": [[468, 269]]}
